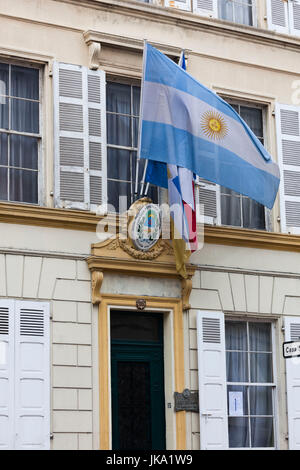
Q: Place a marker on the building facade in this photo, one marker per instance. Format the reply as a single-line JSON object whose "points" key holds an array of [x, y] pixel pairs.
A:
{"points": [[96, 336]]}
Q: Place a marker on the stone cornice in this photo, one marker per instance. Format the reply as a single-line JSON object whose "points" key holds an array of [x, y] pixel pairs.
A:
{"points": [[23, 214], [191, 20]]}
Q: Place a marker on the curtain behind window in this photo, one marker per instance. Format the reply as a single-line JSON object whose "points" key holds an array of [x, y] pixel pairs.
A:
{"points": [[237, 11]]}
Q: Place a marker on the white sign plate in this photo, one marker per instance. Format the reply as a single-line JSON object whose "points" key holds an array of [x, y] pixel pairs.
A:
{"points": [[291, 349], [236, 407]]}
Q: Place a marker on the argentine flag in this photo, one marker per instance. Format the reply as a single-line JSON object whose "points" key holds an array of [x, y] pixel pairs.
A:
{"points": [[186, 124]]}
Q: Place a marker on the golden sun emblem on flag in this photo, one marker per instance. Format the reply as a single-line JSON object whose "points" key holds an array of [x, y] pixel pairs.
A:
{"points": [[214, 125]]}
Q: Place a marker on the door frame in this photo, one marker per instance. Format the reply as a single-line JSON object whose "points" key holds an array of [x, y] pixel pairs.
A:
{"points": [[173, 363]]}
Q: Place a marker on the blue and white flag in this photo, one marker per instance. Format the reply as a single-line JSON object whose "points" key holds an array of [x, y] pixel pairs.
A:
{"points": [[186, 124]]}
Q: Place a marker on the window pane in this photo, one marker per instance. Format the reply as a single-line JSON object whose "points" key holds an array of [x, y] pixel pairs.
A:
{"points": [[262, 434], [231, 211], [24, 151], [261, 367], [153, 193], [130, 326], [4, 89], [115, 189], [118, 164], [238, 432], [23, 186], [136, 100], [261, 401], [226, 10], [24, 82], [119, 130], [118, 98], [253, 214], [236, 336], [3, 112], [253, 117], [3, 149], [135, 132], [243, 14], [3, 185], [24, 116], [237, 367], [260, 337]]}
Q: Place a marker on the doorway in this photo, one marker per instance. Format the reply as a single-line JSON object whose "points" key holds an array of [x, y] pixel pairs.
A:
{"points": [[137, 381]]}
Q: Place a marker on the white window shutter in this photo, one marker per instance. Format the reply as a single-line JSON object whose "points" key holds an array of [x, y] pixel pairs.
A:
{"points": [[79, 137], [206, 8], [292, 333], [6, 374], [32, 375], [294, 15], [288, 145], [180, 4], [277, 15], [212, 380], [208, 195]]}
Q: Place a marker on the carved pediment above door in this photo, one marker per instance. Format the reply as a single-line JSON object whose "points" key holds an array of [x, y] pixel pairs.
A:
{"points": [[142, 252]]}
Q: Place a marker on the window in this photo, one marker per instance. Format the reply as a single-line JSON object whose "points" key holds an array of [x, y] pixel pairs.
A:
{"points": [[284, 16], [250, 384], [123, 104], [237, 11], [236, 209], [19, 133]]}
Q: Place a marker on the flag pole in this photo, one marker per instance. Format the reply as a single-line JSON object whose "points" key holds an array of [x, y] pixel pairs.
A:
{"points": [[140, 128], [143, 179]]}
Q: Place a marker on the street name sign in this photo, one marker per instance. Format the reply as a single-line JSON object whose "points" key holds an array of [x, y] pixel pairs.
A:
{"points": [[291, 349]]}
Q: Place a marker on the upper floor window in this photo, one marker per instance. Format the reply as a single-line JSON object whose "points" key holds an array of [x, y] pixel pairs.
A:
{"points": [[19, 133], [224, 206], [284, 16], [122, 110], [237, 11], [236, 209]]}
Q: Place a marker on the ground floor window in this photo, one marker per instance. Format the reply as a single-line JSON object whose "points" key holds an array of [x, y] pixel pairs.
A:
{"points": [[250, 384]]}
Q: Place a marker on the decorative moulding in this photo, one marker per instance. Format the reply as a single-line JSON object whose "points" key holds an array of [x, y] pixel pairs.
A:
{"points": [[133, 44], [94, 54]]}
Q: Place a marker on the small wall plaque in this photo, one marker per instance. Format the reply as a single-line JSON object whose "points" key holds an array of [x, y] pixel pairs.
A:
{"points": [[141, 304], [186, 401]]}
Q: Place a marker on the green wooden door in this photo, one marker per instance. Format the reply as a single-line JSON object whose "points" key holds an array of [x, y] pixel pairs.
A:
{"points": [[137, 379]]}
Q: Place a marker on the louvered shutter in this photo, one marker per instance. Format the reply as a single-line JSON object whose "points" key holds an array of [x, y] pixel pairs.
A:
{"points": [[294, 15], [208, 195], [292, 333], [288, 144], [79, 137], [212, 380], [6, 374], [206, 7], [277, 15], [181, 4], [32, 376]]}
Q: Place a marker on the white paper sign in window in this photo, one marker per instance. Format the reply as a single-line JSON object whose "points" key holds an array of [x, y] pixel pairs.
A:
{"points": [[236, 404]]}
